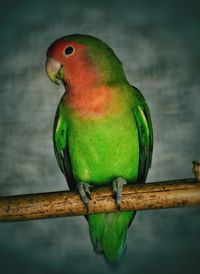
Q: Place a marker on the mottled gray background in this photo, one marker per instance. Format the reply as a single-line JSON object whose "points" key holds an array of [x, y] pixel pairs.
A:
{"points": [[158, 42]]}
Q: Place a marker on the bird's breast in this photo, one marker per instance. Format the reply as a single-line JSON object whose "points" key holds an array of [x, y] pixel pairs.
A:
{"points": [[103, 149], [93, 103]]}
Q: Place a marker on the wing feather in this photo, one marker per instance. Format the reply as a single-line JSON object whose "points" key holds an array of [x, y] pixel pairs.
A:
{"points": [[145, 134], [61, 148]]}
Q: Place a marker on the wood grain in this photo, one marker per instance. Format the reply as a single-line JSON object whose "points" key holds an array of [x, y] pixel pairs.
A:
{"points": [[168, 194]]}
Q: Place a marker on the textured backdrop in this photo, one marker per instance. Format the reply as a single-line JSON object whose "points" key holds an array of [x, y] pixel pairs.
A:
{"points": [[158, 42]]}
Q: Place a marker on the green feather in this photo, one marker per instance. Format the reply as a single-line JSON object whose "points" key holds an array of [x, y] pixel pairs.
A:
{"points": [[108, 233]]}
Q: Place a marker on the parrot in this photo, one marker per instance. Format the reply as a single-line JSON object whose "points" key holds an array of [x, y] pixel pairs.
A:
{"points": [[102, 132]]}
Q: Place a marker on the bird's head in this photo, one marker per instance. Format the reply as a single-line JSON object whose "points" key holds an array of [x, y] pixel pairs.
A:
{"points": [[82, 61]]}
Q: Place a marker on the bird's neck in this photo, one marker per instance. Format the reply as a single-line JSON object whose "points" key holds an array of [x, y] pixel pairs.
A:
{"points": [[91, 103], [81, 76], [85, 93]]}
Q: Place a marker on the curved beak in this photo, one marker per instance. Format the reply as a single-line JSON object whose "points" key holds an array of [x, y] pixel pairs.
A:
{"points": [[54, 70]]}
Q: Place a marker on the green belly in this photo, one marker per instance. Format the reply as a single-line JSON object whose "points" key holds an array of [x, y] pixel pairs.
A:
{"points": [[103, 149]]}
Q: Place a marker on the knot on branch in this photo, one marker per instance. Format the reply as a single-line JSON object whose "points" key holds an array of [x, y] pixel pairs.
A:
{"points": [[196, 170]]}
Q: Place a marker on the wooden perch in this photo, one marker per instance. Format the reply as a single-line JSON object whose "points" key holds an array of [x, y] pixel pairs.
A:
{"points": [[178, 193]]}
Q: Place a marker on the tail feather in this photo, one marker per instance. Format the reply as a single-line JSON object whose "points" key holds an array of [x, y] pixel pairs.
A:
{"points": [[108, 233]]}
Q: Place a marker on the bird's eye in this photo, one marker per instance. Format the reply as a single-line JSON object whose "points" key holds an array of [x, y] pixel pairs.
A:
{"points": [[69, 51]]}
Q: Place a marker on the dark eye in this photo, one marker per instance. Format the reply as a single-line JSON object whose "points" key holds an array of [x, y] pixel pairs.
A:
{"points": [[69, 50]]}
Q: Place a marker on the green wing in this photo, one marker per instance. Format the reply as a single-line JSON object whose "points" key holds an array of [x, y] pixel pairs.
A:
{"points": [[60, 142], [145, 134]]}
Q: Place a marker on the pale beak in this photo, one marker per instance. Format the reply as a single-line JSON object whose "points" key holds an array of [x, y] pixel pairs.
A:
{"points": [[54, 70]]}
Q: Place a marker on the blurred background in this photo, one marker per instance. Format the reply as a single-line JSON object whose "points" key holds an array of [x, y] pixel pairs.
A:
{"points": [[158, 42]]}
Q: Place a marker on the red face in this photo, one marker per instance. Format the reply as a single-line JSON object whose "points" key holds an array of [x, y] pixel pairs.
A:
{"points": [[64, 51], [68, 61]]}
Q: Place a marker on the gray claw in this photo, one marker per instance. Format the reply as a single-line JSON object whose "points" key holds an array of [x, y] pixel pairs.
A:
{"points": [[84, 191], [117, 189]]}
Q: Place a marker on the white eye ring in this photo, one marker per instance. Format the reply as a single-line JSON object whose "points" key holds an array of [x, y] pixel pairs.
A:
{"points": [[69, 51]]}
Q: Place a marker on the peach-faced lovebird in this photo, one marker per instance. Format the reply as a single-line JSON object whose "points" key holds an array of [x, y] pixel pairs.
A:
{"points": [[102, 131]]}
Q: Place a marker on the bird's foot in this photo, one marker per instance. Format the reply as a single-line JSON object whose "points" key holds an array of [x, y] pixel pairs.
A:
{"points": [[117, 185], [84, 191]]}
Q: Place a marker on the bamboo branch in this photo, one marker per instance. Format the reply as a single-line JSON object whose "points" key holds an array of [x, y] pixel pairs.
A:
{"points": [[178, 193]]}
